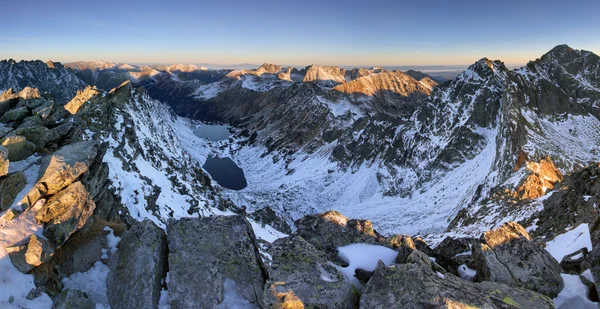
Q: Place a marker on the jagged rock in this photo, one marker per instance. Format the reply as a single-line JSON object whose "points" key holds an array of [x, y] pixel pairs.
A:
{"points": [[9, 188], [593, 259], [507, 255], [73, 299], [65, 213], [301, 274], [15, 114], [66, 164], [138, 267], [329, 230], [403, 244], [30, 254], [204, 252], [80, 98], [417, 286], [31, 122], [4, 161], [18, 146]]}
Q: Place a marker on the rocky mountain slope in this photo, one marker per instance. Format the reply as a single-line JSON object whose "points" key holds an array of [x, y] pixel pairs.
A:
{"points": [[496, 170], [50, 77]]}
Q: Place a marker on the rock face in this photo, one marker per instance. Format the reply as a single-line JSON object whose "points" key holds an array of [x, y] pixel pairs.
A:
{"points": [[73, 299], [137, 269], [4, 162], [417, 286], [300, 275], [65, 213], [508, 256], [204, 253]]}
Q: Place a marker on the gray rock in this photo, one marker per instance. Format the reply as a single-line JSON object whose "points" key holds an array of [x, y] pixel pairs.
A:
{"points": [[204, 252], [18, 146], [44, 110], [65, 213], [417, 286], [508, 256], [73, 299], [66, 164], [138, 267], [15, 114], [30, 254], [301, 274], [9, 188]]}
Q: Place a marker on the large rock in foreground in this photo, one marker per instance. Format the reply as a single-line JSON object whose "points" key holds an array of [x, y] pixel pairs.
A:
{"points": [[30, 254], [509, 256], [136, 271], [301, 275], [65, 213], [417, 286], [73, 299], [204, 253]]}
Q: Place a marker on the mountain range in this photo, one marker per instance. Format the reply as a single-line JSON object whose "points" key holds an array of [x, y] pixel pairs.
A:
{"points": [[454, 164]]}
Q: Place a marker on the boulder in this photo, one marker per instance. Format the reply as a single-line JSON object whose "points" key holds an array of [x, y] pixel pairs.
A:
{"points": [[9, 188], [61, 168], [65, 213], [418, 286], [43, 111], [30, 254], [301, 275], [138, 267], [73, 299], [403, 244], [18, 146], [15, 114], [508, 255], [4, 162], [204, 253], [330, 230]]}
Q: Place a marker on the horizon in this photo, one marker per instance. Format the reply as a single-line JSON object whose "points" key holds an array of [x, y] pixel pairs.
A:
{"points": [[350, 33]]}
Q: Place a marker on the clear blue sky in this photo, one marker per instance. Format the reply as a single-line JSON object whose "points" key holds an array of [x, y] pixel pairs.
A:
{"points": [[335, 32]]}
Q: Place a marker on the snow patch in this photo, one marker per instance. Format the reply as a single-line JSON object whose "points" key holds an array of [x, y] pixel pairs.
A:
{"points": [[364, 256], [569, 242]]}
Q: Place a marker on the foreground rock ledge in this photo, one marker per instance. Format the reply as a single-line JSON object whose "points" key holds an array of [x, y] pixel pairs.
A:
{"points": [[138, 267], [204, 253]]}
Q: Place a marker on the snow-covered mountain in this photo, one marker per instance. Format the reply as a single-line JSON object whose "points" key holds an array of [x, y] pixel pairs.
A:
{"points": [[49, 77]]}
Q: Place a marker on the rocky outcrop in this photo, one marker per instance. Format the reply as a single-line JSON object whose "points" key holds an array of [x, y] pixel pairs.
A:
{"points": [[508, 255], [65, 213], [301, 277], [82, 97], [206, 252], [326, 76], [329, 230], [66, 164], [417, 286], [138, 268]]}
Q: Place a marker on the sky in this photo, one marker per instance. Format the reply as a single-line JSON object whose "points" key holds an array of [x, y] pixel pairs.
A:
{"points": [[327, 32]]}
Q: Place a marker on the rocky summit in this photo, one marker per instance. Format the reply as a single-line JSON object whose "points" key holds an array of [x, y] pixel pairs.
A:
{"points": [[365, 187]]}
